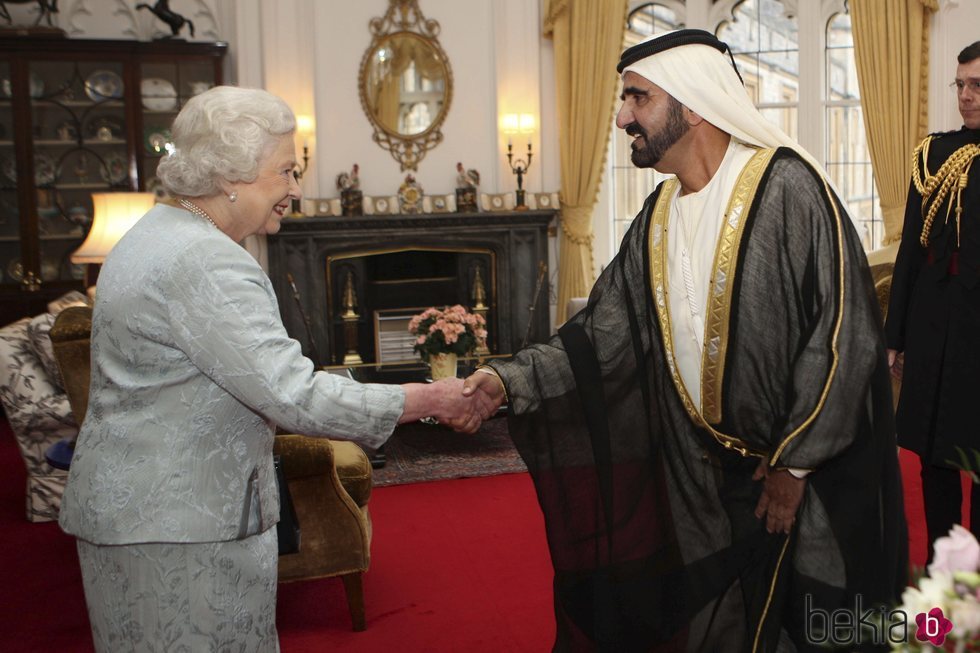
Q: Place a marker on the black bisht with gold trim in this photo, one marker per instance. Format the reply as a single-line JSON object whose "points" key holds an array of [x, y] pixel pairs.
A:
{"points": [[649, 507]]}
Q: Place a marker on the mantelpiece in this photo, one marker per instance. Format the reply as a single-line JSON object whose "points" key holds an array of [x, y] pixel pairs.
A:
{"points": [[380, 263]]}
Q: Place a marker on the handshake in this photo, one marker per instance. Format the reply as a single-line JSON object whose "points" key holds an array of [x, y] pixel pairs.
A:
{"points": [[458, 404]]}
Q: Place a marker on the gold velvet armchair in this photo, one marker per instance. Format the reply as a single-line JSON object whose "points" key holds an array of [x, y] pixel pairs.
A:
{"points": [[330, 481]]}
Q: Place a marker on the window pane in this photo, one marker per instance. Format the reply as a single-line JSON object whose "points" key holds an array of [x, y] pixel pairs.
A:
{"points": [[765, 44], [846, 144], [650, 19], [785, 117], [841, 66], [632, 185], [855, 182]]}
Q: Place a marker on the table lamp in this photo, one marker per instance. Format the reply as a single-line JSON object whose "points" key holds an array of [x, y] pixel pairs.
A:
{"points": [[114, 214]]}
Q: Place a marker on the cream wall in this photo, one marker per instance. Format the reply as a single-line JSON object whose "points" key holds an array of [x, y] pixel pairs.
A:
{"points": [[954, 27], [311, 53]]}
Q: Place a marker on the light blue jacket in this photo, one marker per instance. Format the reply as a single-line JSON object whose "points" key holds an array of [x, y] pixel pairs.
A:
{"points": [[191, 371]]}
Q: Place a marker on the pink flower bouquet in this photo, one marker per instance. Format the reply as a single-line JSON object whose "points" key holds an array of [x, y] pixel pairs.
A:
{"points": [[452, 330]]}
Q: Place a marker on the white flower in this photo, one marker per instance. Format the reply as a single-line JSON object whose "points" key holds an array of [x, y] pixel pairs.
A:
{"points": [[965, 615]]}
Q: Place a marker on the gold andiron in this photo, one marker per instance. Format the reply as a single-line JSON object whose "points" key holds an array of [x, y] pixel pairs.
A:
{"points": [[350, 318], [480, 307]]}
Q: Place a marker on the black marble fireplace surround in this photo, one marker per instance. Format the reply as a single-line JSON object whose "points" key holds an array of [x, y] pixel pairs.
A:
{"points": [[407, 262]]}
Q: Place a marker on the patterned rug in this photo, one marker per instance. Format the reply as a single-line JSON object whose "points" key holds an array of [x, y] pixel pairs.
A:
{"points": [[421, 452]]}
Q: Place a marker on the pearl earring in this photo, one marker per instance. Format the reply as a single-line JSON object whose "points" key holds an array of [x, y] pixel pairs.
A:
{"points": [[233, 196]]}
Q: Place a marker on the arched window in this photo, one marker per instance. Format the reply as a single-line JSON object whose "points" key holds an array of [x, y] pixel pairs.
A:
{"points": [[765, 43], [846, 152], [797, 60], [631, 184]]}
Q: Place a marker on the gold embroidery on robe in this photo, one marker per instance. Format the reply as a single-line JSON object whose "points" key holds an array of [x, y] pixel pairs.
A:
{"points": [[719, 295]]}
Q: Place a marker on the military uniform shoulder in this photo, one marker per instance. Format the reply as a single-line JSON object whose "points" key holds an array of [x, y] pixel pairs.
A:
{"points": [[955, 135]]}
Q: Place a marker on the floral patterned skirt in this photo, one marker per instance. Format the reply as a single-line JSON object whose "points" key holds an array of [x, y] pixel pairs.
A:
{"points": [[213, 596]]}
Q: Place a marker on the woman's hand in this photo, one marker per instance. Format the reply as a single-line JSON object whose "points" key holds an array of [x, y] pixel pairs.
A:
{"points": [[444, 400]]}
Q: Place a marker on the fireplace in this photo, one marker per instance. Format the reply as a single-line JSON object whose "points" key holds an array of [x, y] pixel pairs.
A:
{"points": [[396, 283], [357, 280]]}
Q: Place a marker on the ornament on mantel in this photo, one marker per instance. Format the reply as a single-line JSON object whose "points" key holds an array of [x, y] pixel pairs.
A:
{"points": [[351, 198], [410, 195], [467, 184]]}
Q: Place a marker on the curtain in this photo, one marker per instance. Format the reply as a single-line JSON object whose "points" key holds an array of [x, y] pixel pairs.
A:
{"points": [[588, 39], [891, 47]]}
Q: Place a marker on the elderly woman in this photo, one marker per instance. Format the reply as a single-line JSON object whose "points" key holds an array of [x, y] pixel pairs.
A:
{"points": [[171, 491]]}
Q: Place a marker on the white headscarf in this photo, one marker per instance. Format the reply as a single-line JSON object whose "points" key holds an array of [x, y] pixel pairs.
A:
{"points": [[702, 78]]}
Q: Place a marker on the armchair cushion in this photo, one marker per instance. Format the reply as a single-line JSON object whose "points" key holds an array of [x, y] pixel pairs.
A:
{"points": [[39, 416], [330, 482], [39, 330], [36, 406], [354, 470]]}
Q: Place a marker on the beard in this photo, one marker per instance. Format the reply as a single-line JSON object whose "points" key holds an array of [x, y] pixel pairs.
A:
{"points": [[656, 145]]}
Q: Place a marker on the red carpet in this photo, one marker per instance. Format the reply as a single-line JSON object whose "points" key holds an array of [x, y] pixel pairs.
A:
{"points": [[456, 566]]}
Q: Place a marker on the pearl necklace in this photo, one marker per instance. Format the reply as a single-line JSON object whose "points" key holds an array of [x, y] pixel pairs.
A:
{"points": [[196, 210]]}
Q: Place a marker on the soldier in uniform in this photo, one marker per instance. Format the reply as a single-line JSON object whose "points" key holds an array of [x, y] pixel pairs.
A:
{"points": [[934, 311]]}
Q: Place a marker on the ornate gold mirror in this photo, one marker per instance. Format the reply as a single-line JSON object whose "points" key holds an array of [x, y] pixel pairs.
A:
{"points": [[405, 83]]}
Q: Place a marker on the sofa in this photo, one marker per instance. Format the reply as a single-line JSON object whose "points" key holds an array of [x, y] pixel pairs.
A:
{"points": [[36, 405]]}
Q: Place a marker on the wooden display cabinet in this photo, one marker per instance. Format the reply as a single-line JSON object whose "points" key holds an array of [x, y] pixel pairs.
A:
{"points": [[79, 116]]}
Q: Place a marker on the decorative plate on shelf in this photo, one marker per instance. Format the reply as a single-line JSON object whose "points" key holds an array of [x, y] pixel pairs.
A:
{"points": [[155, 139], [49, 269], [158, 94], [103, 85], [9, 169], [15, 269], [45, 170], [115, 168], [36, 86], [104, 128], [8, 212], [67, 131]]}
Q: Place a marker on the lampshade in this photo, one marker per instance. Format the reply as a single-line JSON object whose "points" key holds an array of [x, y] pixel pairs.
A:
{"points": [[115, 213], [517, 123]]}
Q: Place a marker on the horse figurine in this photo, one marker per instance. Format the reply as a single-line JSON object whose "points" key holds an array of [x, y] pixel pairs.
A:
{"points": [[161, 9], [45, 9]]}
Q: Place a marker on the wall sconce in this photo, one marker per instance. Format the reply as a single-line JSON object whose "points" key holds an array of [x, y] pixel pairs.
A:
{"points": [[523, 123], [114, 214], [304, 127]]}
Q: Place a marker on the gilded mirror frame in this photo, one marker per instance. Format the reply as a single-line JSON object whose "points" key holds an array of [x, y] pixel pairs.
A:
{"points": [[404, 19]]}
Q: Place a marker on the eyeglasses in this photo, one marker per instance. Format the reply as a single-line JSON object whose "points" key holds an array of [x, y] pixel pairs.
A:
{"points": [[972, 85]]}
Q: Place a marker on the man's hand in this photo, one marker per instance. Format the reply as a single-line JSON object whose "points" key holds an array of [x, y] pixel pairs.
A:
{"points": [[444, 400], [781, 497], [895, 363], [487, 386]]}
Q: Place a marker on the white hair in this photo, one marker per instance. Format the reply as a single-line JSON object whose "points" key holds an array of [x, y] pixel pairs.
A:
{"points": [[222, 134]]}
